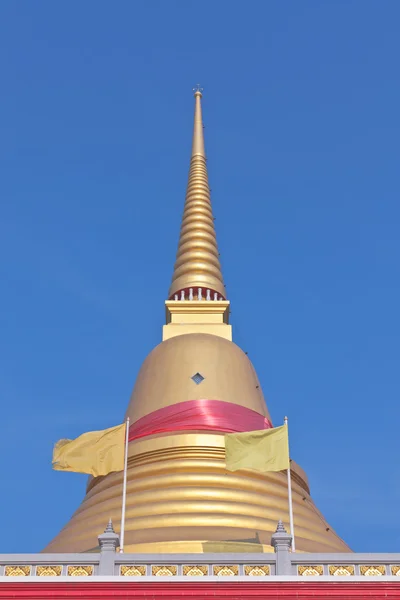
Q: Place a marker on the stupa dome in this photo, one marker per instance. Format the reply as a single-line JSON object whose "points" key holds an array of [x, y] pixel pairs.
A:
{"points": [[166, 376]]}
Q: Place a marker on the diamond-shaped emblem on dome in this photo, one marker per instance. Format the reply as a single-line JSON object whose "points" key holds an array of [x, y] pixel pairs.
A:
{"points": [[198, 378]]}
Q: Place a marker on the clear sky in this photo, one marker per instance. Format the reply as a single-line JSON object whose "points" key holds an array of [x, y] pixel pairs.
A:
{"points": [[301, 108]]}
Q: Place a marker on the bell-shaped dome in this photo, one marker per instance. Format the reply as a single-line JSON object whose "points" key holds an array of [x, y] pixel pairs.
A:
{"points": [[167, 376]]}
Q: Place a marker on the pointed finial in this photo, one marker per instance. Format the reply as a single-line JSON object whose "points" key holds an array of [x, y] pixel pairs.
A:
{"points": [[198, 90], [280, 527], [109, 540], [109, 528], [198, 135], [281, 540]]}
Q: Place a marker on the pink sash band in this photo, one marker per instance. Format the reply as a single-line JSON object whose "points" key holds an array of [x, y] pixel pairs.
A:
{"points": [[200, 415]]}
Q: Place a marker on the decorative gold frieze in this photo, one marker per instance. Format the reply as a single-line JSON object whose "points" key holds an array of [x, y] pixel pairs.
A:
{"points": [[341, 570], [395, 570], [49, 571], [226, 570], [17, 571], [310, 570], [195, 570], [164, 570], [80, 570], [373, 570], [133, 570], [257, 570]]}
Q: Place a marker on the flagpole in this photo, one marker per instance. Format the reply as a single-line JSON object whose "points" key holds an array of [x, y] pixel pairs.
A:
{"points": [[122, 536], [289, 482]]}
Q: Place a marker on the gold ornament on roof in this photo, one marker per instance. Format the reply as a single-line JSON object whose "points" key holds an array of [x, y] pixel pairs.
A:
{"points": [[17, 571], [257, 570], [373, 570], [133, 570], [195, 570], [164, 571], [311, 571], [341, 570], [49, 571], [226, 570], [80, 571]]}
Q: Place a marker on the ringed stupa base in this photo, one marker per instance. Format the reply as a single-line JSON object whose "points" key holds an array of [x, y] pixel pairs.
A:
{"points": [[182, 499]]}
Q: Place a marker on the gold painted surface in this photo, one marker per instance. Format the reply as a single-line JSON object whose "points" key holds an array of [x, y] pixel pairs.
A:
{"points": [[311, 570], [226, 570], [165, 376], [80, 571], [197, 260], [373, 570], [180, 498], [195, 570], [216, 311], [257, 570], [133, 571], [395, 570], [49, 571], [198, 134], [164, 570], [174, 329], [341, 570], [197, 316], [17, 571], [150, 450]]}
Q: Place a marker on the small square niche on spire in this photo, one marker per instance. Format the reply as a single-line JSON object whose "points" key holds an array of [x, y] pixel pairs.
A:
{"points": [[197, 378]]}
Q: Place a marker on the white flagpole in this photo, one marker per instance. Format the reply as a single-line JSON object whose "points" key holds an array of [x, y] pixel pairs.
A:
{"points": [[289, 482], [121, 542]]}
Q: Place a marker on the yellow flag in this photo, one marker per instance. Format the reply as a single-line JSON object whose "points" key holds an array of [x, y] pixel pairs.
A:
{"points": [[265, 450], [96, 452]]}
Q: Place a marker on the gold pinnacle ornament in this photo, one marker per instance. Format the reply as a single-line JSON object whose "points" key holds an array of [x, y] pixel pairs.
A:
{"points": [[197, 260]]}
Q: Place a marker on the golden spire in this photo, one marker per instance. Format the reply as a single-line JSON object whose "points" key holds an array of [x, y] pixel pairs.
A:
{"points": [[197, 264]]}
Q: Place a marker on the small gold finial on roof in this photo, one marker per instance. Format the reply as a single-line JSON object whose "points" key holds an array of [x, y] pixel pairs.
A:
{"points": [[198, 136], [197, 265]]}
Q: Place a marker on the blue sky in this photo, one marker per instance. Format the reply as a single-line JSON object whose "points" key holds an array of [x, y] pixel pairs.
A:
{"points": [[301, 108]]}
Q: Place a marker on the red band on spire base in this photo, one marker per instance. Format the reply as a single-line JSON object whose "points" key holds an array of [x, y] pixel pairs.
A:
{"points": [[193, 294]]}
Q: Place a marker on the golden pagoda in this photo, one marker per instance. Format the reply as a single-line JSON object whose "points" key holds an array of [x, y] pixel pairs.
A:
{"points": [[195, 386]]}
